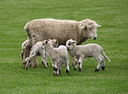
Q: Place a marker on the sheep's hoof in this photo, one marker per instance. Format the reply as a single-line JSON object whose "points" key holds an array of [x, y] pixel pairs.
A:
{"points": [[67, 71], [96, 70], [54, 68], [79, 69], [59, 71], [103, 68], [47, 63], [74, 68], [55, 74], [26, 67], [23, 65], [46, 67], [35, 66]]}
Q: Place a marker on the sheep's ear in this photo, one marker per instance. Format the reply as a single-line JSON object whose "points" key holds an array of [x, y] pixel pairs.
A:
{"points": [[74, 42], [83, 26], [46, 41], [98, 25], [56, 41]]}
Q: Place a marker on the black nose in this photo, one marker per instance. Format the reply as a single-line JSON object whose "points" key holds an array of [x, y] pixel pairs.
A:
{"points": [[94, 38]]}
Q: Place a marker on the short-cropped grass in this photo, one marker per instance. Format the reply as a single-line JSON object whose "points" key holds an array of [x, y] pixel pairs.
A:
{"points": [[112, 15]]}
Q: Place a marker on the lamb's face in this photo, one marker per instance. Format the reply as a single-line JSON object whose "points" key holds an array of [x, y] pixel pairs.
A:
{"points": [[52, 42], [70, 44], [89, 28]]}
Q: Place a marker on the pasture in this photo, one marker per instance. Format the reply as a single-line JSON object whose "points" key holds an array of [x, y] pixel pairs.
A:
{"points": [[112, 15]]}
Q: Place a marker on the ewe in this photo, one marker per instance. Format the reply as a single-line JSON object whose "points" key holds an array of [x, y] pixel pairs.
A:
{"points": [[62, 30]]}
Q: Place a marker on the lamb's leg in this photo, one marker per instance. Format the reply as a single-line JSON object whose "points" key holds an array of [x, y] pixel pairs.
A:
{"points": [[26, 52], [72, 60], [76, 63], [21, 55], [54, 65], [44, 60], [34, 63], [98, 59], [102, 63], [80, 63], [67, 65], [28, 59], [57, 72]]}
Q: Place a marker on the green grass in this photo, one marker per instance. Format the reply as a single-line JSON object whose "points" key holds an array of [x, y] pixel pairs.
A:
{"points": [[112, 15]]}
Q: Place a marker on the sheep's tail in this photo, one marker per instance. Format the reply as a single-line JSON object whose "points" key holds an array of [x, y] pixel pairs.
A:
{"points": [[105, 56]]}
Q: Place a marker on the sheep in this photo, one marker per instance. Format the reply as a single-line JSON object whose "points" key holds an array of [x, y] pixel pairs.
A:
{"points": [[58, 56], [22, 47], [26, 49], [62, 30], [84, 51], [37, 50]]}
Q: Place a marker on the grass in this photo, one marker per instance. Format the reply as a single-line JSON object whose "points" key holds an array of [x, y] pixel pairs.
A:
{"points": [[112, 36]]}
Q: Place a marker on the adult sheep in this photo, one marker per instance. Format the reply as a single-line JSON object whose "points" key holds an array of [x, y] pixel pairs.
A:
{"points": [[62, 30]]}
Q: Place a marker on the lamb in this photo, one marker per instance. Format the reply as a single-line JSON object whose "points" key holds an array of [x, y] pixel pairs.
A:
{"points": [[62, 30], [38, 49], [84, 51], [26, 48], [58, 56], [22, 47]]}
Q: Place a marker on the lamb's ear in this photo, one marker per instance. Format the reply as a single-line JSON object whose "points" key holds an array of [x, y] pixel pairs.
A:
{"points": [[83, 26], [74, 42], [56, 41], [46, 41], [98, 25]]}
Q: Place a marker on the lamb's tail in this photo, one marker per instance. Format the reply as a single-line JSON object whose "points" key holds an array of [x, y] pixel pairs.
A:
{"points": [[105, 56]]}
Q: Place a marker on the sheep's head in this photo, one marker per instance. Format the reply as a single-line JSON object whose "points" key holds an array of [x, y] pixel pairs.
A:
{"points": [[89, 28], [70, 44], [52, 42]]}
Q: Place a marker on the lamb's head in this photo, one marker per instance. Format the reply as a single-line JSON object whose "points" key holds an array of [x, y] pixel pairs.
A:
{"points": [[50, 42], [89, 28], [54, 42], [70, 44]]}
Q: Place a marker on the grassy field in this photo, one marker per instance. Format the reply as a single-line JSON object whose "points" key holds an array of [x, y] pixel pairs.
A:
{"points": [[112, 15]]}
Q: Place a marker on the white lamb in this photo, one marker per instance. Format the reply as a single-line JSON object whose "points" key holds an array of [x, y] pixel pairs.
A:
{"points": [[57, 55], [89, 50], [37, 50]]}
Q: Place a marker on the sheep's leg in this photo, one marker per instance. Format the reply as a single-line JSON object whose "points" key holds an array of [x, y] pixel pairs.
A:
{"points": [[27, 64], [44, 60], [98, 59], [102, 63], [23, 60], [21, 55], [28, 59], [34, 63], [67, 65], [72, 60], [58, 72], [76, 63], [54, 65], [80, 63], [26, 52]]}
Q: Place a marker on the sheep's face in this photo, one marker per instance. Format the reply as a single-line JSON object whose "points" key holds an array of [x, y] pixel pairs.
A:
{"points": [[52, 42], [70, 44], [89, 28]]}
